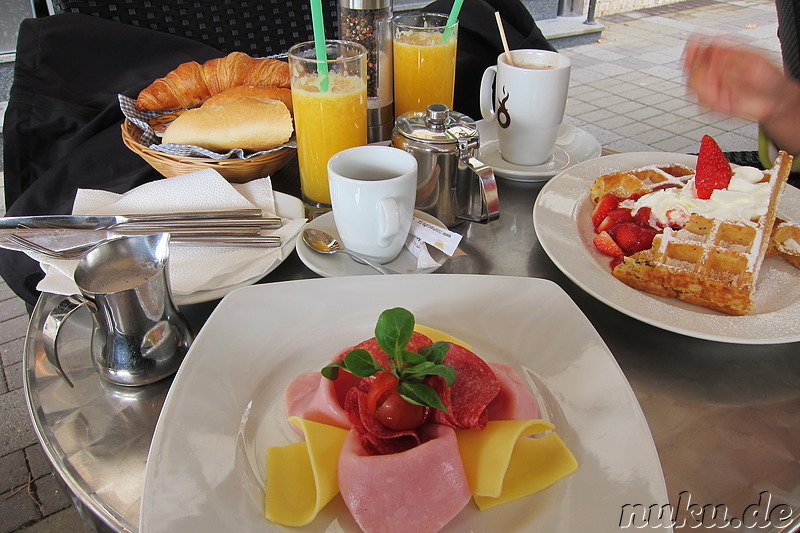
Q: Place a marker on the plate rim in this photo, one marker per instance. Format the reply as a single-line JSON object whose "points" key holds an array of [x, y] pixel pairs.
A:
{"points": [[551, 243], [648, 478]]}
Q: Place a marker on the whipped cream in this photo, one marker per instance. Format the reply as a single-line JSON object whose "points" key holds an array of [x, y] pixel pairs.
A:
{"points": [[745, 200]]}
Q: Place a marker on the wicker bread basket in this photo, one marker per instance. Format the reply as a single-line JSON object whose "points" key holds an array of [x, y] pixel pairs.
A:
{"points": [[233, 170]]}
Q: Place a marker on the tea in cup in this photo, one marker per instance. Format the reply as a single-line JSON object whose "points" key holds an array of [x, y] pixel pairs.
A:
{"points": [[526, 100], [373, 191]]}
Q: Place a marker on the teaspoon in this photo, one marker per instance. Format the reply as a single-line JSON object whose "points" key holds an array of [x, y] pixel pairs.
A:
{"points": [[325, 243]]}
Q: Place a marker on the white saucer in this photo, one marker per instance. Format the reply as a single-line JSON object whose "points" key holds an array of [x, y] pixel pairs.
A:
{"points": [[573, 146], [338, 265]]}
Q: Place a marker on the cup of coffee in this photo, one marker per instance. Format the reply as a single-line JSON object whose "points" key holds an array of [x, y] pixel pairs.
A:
{"points": [[373, 191], [526, 97]]}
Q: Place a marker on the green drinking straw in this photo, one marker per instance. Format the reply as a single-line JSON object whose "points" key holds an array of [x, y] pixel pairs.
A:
{"points": [[451, 19], [319, 43]]}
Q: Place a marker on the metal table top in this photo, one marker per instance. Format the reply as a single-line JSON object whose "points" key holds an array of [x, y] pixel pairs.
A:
{"points": [[725, 417]]}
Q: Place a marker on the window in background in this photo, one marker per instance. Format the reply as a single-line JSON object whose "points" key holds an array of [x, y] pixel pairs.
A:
{"points": [[11, 14]]}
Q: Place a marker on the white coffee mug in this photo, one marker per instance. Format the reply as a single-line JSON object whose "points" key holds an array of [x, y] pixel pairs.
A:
{"points": [[373, 190], [528, 104]]}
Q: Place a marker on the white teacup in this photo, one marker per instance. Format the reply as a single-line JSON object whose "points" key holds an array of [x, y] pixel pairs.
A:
{"points": [[528, 104], [373, 190]]}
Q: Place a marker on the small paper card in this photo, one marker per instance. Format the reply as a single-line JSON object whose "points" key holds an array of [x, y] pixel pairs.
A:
{"points": [[437, 236], [424, 233]]}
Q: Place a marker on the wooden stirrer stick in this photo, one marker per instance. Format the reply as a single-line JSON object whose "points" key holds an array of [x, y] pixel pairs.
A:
{"points": [[503, 38]]}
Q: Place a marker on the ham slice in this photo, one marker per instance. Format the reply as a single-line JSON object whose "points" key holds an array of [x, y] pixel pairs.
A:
{"points": [[418, 490], [514, 401], [312, 397]]}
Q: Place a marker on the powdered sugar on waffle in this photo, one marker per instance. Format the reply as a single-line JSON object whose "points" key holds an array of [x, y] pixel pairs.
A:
{"points": [[786, 241], [746, 245]]}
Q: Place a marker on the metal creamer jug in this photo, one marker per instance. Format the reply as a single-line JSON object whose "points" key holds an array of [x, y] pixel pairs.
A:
{"points": [[452, 184], [139, 336]]}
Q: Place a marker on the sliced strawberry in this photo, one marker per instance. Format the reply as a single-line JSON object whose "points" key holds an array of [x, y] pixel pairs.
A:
{"points": [[621, 214], [713, 170], [606, 203], [606, 224], [631, 237], [642, 216], [614, 217], [606, 244]]}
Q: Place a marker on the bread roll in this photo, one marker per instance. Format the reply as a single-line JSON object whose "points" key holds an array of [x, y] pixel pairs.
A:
{"points": [[265, 92], [247, 123]]}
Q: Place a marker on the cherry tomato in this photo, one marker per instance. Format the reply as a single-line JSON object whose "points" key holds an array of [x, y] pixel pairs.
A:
{"points": [[389, 407], [396, 413], [379, 388]]}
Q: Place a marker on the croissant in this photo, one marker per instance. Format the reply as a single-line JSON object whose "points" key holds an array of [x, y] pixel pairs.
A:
{"points": [[190, 84]]}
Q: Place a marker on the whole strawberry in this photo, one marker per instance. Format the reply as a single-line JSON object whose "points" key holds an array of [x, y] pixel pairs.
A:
{"points": [[713, 170]]}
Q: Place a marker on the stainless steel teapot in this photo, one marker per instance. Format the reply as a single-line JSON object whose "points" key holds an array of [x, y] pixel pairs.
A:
{"points": [[452, 184]]}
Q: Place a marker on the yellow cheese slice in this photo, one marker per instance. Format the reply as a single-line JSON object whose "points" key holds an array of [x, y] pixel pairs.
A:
{"points": [[435, 335], [302, 477], [503, 463]]}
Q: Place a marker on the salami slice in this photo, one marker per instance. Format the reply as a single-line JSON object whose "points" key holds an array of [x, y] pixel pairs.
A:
{"points": [[475, 387], [376, 438]]}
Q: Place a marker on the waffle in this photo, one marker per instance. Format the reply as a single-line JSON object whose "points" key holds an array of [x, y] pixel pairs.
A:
{"points": [[785, 242], [640, 181], [712, 263]]}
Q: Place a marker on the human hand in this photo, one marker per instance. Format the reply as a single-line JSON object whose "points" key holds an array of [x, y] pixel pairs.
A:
{"points": [[743, 82], [735, 80]]}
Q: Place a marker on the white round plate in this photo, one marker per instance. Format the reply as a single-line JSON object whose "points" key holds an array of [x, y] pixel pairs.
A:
{"points": [[561, 218], [337, 265], [573, 146], [206, 470], [286, 206]]}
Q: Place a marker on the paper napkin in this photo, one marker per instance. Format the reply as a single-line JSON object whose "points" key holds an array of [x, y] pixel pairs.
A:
{"points": [[193, 267]]}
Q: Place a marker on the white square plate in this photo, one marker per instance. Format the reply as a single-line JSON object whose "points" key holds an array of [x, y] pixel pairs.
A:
{"points": [[205, 472]]}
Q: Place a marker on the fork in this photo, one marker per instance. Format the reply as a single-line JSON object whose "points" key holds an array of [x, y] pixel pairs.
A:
{"points": [[79, 251], [73, 252]]}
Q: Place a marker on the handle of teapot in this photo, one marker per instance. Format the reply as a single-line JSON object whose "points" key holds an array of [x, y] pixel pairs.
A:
{"points": [[490, 201]]}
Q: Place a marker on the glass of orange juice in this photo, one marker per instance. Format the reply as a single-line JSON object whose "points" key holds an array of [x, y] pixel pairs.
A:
{"points": [[424, 61], [330, 112]]}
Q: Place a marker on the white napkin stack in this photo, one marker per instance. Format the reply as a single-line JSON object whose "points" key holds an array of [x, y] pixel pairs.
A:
{"points": [[193, 267]]}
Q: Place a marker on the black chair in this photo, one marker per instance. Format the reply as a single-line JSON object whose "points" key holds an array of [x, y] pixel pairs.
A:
{"points": [[257, 27]]}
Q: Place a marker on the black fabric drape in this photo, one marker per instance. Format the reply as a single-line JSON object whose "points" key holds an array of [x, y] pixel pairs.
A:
{"points": [[62, 123]]}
